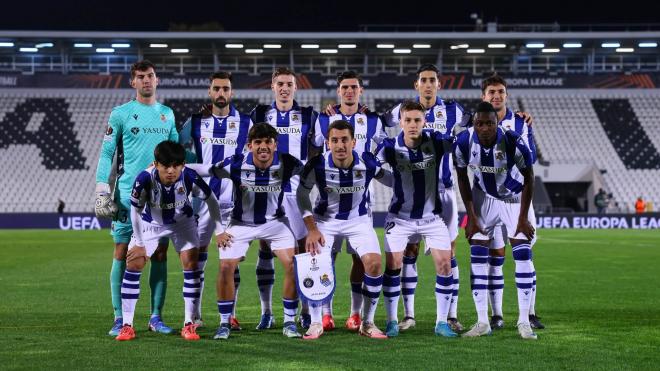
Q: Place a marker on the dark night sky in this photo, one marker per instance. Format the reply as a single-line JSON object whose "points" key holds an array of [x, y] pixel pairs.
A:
{"points": [[246, 15]]}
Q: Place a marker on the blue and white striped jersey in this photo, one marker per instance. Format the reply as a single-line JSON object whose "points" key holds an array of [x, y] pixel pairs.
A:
{"points": [[343, 193], [416, 173], [214, 139], [516, 123], [165, 205], [441, 117], [497, 170], [258, 193], [368, 128], [294, 128]]}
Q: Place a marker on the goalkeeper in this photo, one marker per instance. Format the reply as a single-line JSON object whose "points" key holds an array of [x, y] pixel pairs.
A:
{"points": [[134, 130]]}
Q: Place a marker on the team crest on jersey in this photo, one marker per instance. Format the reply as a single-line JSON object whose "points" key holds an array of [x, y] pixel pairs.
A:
{"points": [[180, 190], [358, 173], [232, 125], [275, 174], [109, 130], [135, 130], [360, 121], [162, 117], [499, 155], [294, 117], [438, 114]]}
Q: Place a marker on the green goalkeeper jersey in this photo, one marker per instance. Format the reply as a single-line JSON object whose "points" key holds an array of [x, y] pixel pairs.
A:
{"points": [[134, 130]]}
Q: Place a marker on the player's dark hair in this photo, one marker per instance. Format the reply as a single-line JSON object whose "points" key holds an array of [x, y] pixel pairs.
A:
{"points": [[282, 71], [262, 130], [492, 80], [142, 65], [427, 67], [342, 125], [485, 107], [350, 74], [168, 153], [411, 105], [224, 75]]}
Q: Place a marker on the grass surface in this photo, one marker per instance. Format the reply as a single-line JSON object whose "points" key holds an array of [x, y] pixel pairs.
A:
{"points": [[598, 295]]}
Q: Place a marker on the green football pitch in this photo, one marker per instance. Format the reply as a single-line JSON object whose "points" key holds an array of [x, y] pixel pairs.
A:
{"points": [[598, 295]]}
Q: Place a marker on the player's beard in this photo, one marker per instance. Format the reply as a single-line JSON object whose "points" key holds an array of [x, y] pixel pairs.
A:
{"points": [[147, 93], [221, 103]]}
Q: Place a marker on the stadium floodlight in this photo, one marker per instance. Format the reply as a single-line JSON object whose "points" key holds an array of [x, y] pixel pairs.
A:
{"points": [[105, 50], [82, 45], [402, 51], [648, 45], [459, 46], [234, 46], [476, 51], [6, 44], [158, 45], [625, 50], [254, 51], [29, 50], [610, 45], [421, 46], [44, 45], [347, 46], [328, 51], [535, 45], [385, 46], [121, 45], [180, 51], [309, 46], [496, 46], [572, 45], [550, 50], [272, 46]]}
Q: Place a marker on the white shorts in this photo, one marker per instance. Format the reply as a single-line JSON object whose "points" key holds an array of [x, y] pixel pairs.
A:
{"points": [[495, 214], [359, 232], [292, 212], [183, 235], [500, 231], [449, 211], [400, 232], [275, 232], [206, 226]]}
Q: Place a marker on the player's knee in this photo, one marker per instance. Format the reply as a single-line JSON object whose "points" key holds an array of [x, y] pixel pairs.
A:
{"points": [[136, 259], [497, 252], [412, 249], [372, 264], [227, 268]]}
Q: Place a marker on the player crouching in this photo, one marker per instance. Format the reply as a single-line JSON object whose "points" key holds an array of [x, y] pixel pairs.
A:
{"points": [[342, 211], [160, 208]]}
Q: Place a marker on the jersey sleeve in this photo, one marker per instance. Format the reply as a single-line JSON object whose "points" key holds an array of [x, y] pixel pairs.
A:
{"points": [[109, 145], [308, 175], [391, 117], [318, 138], [200, 189], [185, 134], [460, 149], [222, 169], [523, 156], [141, 188], [380, 134]]}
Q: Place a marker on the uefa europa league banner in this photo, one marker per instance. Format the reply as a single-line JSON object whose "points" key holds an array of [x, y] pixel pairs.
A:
{"points": [[315, 277]]}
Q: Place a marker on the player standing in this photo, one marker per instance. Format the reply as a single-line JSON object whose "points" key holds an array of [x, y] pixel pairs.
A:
{"points": [[134, 130], [415, 211], [440, 116], [161, 208], [502, 194], [494, 91], [215, 137], [369, 132], [294, 125]]}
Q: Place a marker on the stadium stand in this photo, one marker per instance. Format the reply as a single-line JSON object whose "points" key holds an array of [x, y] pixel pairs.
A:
{"points": [[52, 136]]}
